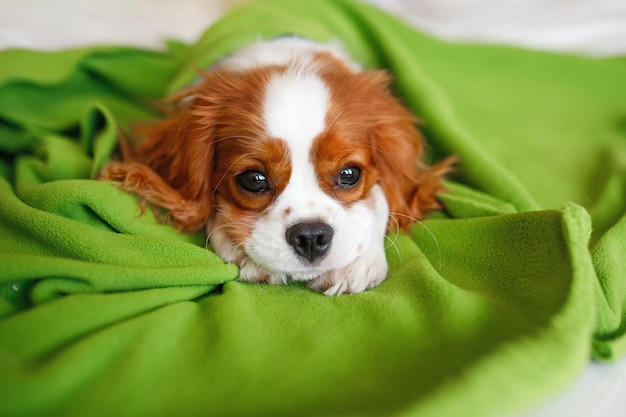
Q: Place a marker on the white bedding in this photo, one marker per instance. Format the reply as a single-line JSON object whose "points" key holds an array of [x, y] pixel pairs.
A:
{"points": [[588, 27]]}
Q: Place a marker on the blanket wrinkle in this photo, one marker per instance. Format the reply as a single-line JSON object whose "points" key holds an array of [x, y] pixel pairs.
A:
{"points": [[491, 305]]}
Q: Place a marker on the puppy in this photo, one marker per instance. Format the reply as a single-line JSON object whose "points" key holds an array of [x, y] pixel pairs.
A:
{"points": [[293, 159]]}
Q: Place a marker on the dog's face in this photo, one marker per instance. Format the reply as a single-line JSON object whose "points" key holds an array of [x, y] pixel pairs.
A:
{"points": [[293, 181], [293, 168]]}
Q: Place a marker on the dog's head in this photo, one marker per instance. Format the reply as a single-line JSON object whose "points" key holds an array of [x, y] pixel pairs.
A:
{"points": [[295, 166]]}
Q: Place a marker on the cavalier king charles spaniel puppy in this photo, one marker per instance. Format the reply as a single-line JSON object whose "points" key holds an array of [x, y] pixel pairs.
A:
{"points": [[293, 159]]}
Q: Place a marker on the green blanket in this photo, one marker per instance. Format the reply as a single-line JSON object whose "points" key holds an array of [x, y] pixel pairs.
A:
{"points": [[491, 306]]}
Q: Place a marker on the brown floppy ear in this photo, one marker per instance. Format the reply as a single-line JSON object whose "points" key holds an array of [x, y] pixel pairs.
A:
{"points": [[172, 166], [410, 186]]}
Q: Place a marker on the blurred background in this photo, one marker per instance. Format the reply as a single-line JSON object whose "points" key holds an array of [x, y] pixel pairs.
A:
{"points": [[594, 27]]}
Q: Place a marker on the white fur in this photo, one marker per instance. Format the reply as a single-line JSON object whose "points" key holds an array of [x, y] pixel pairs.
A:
{"points": [[294, 110], [282, 51]]}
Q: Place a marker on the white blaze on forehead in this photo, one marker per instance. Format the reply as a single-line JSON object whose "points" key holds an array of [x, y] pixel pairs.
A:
{"points": [[295, 108]]}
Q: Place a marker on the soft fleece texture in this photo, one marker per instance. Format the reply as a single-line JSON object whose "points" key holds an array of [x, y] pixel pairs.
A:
{"points": [[490, 306]]}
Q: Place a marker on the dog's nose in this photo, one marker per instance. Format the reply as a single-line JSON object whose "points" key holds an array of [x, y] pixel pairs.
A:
{"points": [[310, 240]]}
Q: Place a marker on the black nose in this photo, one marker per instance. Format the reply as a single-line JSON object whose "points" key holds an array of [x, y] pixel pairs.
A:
{"points": [[310, 240]]}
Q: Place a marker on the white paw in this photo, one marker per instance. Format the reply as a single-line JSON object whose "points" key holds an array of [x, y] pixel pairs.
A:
{"points": [[364, 273], [251, 272]]}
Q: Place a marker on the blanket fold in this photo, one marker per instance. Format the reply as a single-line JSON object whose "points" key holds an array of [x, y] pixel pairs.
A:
{"points": [[490, 306]]}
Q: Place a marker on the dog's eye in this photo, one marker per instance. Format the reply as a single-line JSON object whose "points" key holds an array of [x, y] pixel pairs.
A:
{"points": [[349, 177], [253, 181]]}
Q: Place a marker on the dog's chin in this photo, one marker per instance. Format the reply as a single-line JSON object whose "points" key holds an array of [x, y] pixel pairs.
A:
{"points": [[307, 274], [258, 271]]}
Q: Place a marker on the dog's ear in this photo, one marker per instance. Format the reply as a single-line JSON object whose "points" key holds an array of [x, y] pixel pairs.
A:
{"points": [[410, 186], [173, 163]]}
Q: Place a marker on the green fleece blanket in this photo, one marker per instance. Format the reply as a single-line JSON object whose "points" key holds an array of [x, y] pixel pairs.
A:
{"points": [[491, 306]]}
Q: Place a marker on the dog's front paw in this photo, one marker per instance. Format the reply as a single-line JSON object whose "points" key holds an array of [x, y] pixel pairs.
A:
{"points": [[251, 272], [364, 273]]}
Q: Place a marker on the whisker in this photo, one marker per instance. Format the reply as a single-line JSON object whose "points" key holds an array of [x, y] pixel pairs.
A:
{"points": [[391, 215], [215, 229], [396, 235], [430, 232], [232, 226], [206, 243], [226, 172], [208, 237], [393, 243], [234, 137], [378, 150], [238, 246]]}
